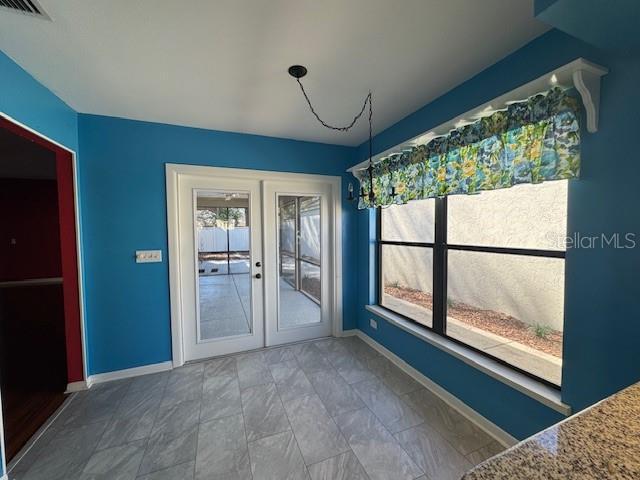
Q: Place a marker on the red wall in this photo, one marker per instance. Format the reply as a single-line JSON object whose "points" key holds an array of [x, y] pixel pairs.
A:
{"points": [[29, 230], [66, 241]]}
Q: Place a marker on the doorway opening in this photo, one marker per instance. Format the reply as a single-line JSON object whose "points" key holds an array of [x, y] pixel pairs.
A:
{"points": [[40, 333]]}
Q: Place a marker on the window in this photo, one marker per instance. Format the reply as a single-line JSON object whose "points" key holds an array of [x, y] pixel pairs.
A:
{"points": [[484, 270]]}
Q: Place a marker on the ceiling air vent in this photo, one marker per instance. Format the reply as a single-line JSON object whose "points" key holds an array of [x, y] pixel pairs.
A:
{"points": [[27, 7]]}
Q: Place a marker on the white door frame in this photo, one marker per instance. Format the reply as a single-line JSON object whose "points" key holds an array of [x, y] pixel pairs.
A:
{"points": [[173, 172]]}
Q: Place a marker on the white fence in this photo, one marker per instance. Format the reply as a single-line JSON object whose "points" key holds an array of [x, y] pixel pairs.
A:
{"points": [[214, 239]]}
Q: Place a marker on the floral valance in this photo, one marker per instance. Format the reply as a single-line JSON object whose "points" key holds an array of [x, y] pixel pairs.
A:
{"points": [[529, 142]]}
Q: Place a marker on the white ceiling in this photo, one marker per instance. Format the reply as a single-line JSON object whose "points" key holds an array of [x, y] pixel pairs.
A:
{"points": [[222, 64]]}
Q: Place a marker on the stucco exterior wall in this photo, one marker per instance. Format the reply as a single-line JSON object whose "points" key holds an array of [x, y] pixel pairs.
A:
{"points": [[525, 216]]}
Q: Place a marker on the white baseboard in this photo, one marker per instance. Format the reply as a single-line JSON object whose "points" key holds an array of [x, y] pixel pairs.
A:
{"points": [[470, 414], [349, 333], [129, 372], [4, 477], [76, 387]]}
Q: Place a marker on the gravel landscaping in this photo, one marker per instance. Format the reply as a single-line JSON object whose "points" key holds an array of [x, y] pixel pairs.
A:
{"points": [[548, 341]]}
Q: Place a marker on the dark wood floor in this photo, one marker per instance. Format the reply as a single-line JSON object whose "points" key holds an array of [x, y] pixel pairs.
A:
{"points": [[33, 374], [24, 412]]}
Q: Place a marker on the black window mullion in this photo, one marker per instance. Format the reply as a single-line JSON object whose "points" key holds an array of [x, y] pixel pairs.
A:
{"points": [[439, 280], [378, 265]]}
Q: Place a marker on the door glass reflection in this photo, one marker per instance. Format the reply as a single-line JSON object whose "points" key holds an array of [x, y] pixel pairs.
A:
{"points": [[224, 282], [299, 254]]}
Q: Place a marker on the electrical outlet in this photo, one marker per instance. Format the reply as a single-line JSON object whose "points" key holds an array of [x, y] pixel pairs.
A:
{"points": [[148, 256], [373, 324]]}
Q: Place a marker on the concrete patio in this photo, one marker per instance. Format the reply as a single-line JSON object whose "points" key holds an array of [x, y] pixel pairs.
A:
{"points": [[225, 306]]}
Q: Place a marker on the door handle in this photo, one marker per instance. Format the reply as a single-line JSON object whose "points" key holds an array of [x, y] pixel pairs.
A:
{"points": [[258, 275]]}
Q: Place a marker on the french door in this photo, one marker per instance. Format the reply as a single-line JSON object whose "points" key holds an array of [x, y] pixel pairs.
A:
{"points": [[297, 261], [253, 260]]}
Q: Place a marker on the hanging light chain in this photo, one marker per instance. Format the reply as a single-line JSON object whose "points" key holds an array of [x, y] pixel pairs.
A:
{"points": [[346, 128]]}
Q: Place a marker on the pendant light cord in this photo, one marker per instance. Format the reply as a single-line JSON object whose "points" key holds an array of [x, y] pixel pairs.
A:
{"points": [[346, 128]]}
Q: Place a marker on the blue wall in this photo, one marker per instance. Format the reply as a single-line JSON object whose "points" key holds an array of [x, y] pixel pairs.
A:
{"points": [[602, 327], [609, 25], [123, 180], [25, 99]]}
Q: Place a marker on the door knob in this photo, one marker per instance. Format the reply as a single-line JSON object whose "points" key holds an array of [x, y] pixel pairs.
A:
{"points": [[258, 275]]}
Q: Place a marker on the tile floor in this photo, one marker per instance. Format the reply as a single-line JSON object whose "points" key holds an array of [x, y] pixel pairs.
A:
{"points": [[330, 409], [225, 306]]}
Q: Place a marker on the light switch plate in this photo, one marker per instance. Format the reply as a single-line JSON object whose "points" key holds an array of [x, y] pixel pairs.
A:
{"points": [[373, 324], [148, 256]]}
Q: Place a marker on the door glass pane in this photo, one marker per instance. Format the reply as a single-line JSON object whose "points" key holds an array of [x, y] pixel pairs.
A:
{"points": [[509, 306], [299, 254], [407, 286], [224, 282]]}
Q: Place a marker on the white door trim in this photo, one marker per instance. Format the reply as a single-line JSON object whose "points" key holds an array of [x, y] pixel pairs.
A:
{"points": [[173, 171], [79, 260]]}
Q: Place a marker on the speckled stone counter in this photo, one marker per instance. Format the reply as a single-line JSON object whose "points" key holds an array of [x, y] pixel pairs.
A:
{"points": [[599, 443]]}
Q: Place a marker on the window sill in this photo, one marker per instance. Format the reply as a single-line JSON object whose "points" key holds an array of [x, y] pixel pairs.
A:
{"points": [[524, 384]]}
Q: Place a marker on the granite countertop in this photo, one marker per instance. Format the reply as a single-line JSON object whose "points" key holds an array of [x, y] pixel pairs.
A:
{"points": [[600, 442]]}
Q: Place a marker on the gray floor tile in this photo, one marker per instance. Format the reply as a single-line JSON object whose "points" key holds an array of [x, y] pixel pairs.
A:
{"points": [[350, 368], [337, 395], [67, 453], [394, 414], [277, 457], [291, 381], [377, 450], [278, 355], [331, 346], [127, 429], [432, 453], [175, 419], [184, 471], [317, 434], [220, 367], [310, 359], [220, 397], [165, 451], [222, 450], [398, 381], [264, 414], [184, 384], [94, 406], [342, 467], [116, 463], [252, 370], [210, 408], [134, 418], [486, 452], [462, 434], [137, 400], [146, 382]]}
